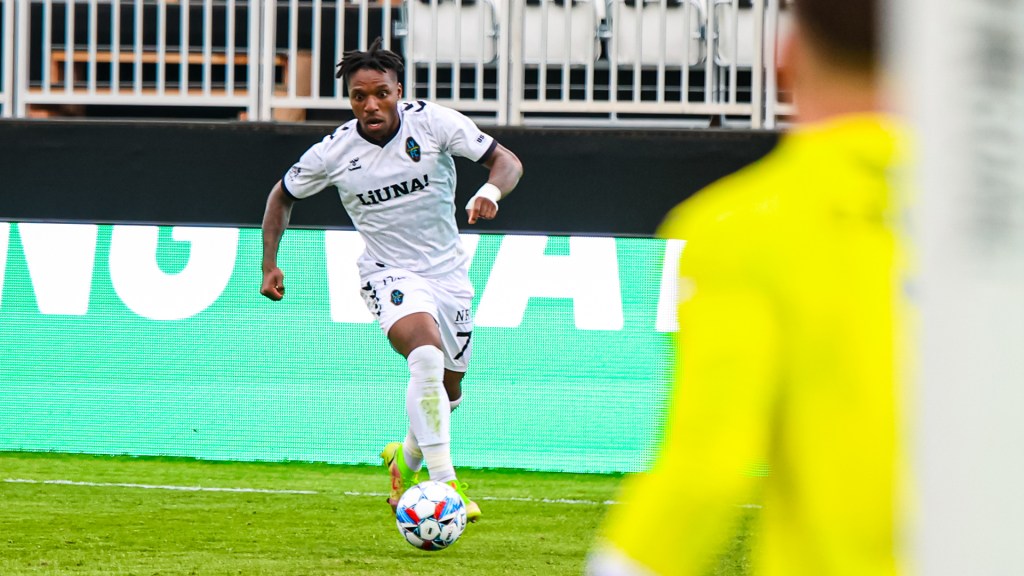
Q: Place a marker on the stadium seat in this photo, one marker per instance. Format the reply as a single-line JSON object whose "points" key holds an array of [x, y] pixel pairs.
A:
{"points": [[461, 33], [639, 28], [570, 29], [735, 24]]}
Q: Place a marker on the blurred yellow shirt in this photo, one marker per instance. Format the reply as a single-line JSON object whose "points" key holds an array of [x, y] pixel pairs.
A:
{"points": [[789, 313]]}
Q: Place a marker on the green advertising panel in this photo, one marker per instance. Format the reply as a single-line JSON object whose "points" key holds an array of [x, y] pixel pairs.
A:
{"points": [[148, 340]]}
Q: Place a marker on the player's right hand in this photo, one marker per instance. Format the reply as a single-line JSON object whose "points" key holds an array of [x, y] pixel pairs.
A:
{"points": [[273, 284]]}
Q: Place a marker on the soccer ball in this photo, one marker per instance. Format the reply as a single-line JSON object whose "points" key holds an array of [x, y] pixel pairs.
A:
{"points": [[431, 515]]}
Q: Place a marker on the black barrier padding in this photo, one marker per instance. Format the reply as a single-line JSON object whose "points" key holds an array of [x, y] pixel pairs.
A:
{"points": [[604, 182], [610, 182]]}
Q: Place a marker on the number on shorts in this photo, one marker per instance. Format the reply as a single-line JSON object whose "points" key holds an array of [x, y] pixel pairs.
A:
{"points": [[468, 336]]}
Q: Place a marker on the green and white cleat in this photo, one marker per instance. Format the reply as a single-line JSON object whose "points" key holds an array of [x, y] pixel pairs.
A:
{"points": [[472, 508], [402, 477]]}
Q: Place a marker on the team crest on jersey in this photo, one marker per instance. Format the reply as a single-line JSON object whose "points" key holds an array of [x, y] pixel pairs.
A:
{"points": [[412, 149], [397, 297]]}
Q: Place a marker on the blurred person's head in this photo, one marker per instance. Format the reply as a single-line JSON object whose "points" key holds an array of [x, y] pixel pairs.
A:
{"points": [[830, 60]]}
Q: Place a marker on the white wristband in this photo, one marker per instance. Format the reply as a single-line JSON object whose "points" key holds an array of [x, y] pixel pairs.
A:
{"points": [[489, 191]]}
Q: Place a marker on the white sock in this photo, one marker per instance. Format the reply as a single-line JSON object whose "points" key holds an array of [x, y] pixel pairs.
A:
{"points": [[411, 448], [428, 421], [439, 462], [411, 452]]}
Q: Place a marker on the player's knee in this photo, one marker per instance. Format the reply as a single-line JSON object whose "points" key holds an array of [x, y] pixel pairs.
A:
{"points": [[426, 364]]}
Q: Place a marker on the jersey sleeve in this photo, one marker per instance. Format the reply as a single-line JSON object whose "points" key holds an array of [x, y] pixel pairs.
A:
{"points": [[459, 135], [309, 175]]}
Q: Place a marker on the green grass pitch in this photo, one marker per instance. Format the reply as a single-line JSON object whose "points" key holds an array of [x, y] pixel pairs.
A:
{"points": [[100, 515]]}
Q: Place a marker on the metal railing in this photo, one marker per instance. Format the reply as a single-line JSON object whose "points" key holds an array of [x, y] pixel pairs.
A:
{"points": [[6, 58], [661, 59], [506, 62], [137, 53], [314, 34]]}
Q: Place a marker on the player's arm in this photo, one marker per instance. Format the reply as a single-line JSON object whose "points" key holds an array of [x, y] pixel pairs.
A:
{"points": [[275, 221], [505, 172]]}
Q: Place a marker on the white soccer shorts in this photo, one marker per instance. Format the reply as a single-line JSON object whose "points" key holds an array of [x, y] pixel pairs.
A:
{"points": [[392, 294]]}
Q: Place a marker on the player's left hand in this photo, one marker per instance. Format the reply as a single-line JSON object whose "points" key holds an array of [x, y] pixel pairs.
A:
{"points": [[481, 208], [484, 204]]}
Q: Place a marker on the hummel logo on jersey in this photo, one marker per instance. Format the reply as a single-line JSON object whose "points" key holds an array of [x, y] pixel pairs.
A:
{"points": [[381, 195], [354, 165]]}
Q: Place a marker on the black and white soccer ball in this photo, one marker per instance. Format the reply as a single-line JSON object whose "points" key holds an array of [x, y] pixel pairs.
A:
{"points": [[431, 515]]}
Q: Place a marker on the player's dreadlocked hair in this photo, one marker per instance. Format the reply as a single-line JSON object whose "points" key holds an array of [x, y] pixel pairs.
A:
{"points": [[376, 58]]}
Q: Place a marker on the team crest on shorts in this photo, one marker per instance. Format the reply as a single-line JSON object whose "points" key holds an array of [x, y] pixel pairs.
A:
{"points": [[397, 297], [412, 149]]}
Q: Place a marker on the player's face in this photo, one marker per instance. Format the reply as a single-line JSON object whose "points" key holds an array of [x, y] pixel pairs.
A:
{"points": [[374, 96]]}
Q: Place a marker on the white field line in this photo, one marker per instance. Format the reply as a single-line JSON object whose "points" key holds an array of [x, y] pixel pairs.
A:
{"points": [[546, 500], [156, 487], [265, 491], [307, 492]]}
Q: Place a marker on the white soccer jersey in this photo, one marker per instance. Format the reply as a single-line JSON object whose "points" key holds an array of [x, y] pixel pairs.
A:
{"points": [[400, 196]]}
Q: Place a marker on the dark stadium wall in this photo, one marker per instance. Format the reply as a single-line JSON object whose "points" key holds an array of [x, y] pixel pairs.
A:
{"points": [[577, 181]]}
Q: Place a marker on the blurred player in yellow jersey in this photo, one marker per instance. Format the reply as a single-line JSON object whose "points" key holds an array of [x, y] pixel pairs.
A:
{"points": [[789, 322]]}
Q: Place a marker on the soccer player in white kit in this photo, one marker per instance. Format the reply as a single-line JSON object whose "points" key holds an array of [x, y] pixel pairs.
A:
{"points": [[393, 168]]}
